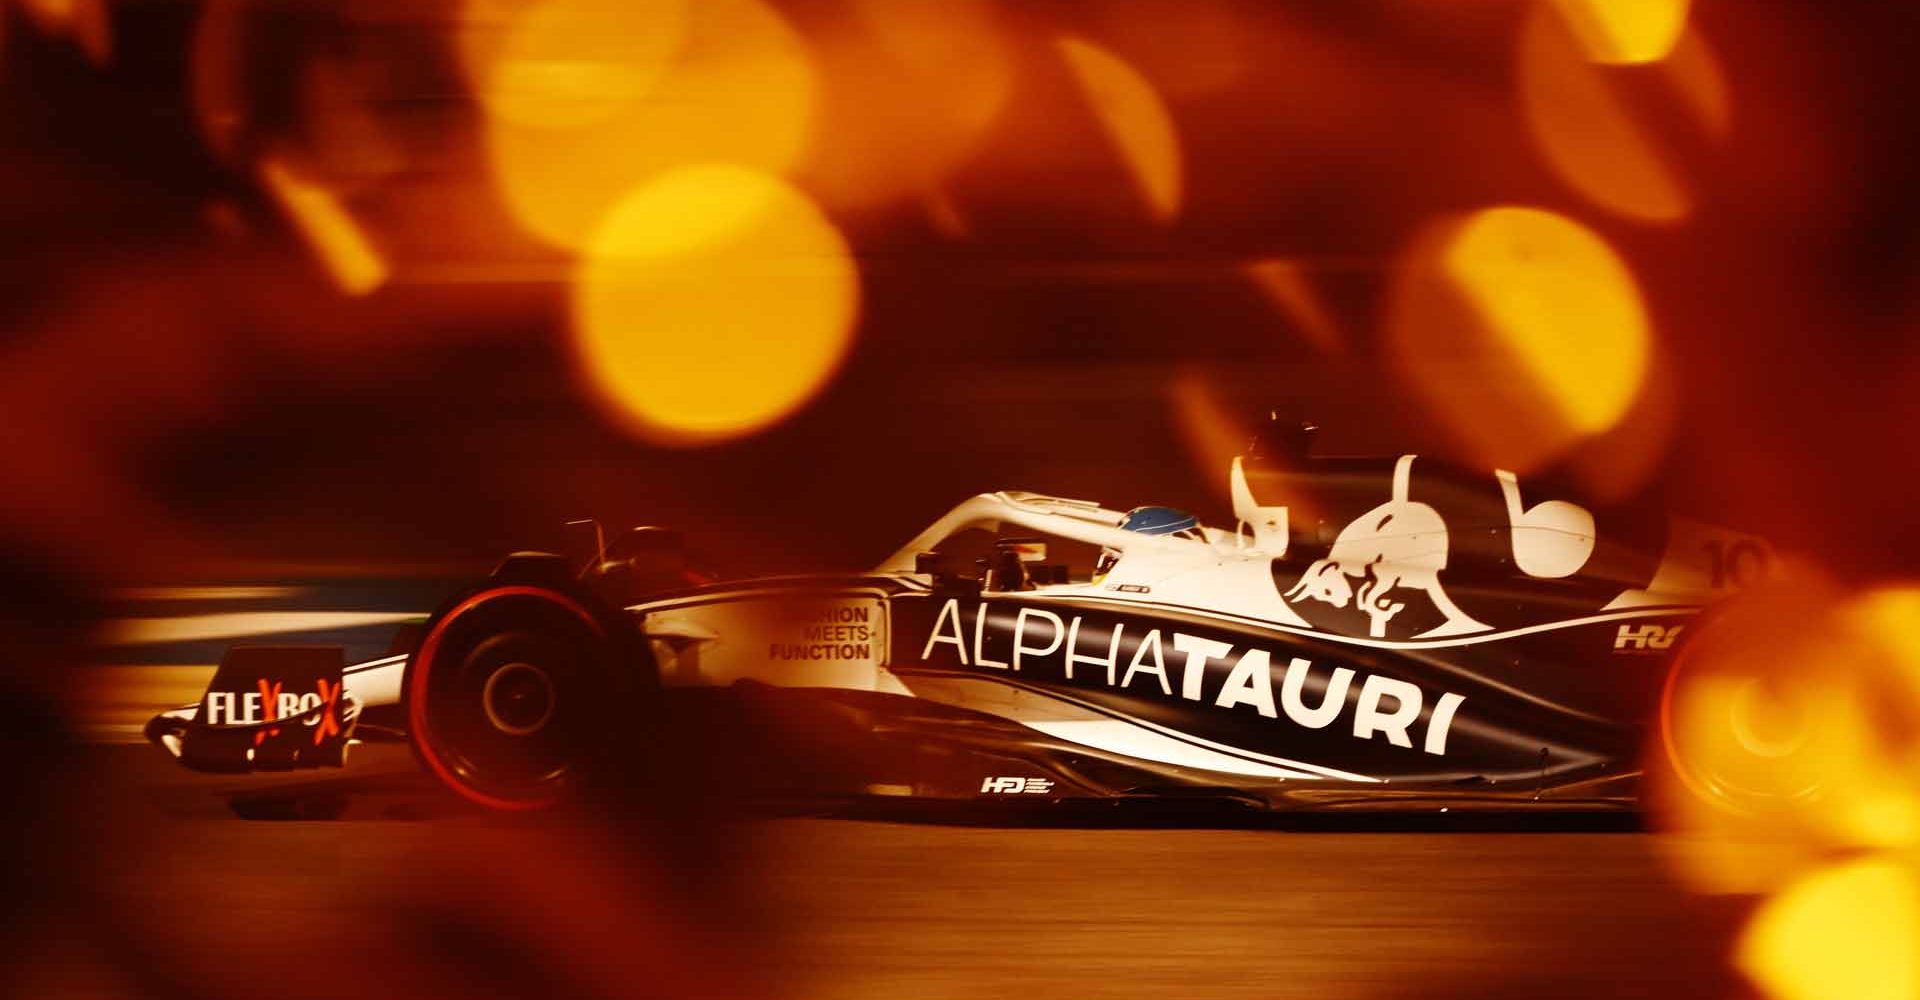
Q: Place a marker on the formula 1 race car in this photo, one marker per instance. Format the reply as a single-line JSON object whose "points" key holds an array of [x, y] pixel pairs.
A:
{"points": [[1372, 634]]}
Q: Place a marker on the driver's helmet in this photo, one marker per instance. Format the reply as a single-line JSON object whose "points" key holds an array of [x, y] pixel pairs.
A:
{"points": [[1150, 521]]}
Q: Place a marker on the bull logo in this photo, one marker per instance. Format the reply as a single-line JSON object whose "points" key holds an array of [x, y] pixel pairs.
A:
{"points": [[1399, 545]]}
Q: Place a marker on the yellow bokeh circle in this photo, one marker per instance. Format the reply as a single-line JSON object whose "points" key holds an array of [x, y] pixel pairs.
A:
{"points": [[1522, 330], [711, 303], [576, 120]]}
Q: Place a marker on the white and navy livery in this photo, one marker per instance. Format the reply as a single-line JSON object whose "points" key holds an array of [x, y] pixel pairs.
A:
{"points": [[1372, 633]]}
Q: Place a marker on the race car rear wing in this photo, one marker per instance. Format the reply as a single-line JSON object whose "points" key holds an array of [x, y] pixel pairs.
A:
{"points": [[267, 708]]}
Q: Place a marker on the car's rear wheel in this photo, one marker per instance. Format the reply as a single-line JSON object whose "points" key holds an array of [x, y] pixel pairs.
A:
{"points": [[1732, 741], [1740, 727], [518, 693]]}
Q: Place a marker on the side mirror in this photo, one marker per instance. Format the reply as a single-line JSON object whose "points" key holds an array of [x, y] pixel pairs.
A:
{"points": [[945, 581], [648, 541], [643, 561], [585, 547]]}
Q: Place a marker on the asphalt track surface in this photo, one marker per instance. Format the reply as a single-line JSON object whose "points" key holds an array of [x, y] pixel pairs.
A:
{"points": [[405, 892]]}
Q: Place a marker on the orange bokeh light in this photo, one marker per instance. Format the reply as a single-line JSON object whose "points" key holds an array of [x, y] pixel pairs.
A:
{"points": [[349, 256], [1210, 431], [1625, 31], [910, 89], [1697, 80], [1850, 932], [740, 88], [1787, 723], [1287, 285], [711, 303], [1522, 330], [1591, 136], [1135, 120], [567, 63]]}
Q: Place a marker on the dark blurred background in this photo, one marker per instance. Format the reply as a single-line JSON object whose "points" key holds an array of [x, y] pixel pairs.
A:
{"points": [[375, 289], [304, 282]]}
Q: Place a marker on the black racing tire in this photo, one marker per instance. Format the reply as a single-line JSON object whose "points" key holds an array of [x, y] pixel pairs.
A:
{"points": [[521, 692]]}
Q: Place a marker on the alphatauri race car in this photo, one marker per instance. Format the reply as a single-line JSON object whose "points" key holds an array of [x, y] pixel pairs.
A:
{"points": [[1383, 633]]}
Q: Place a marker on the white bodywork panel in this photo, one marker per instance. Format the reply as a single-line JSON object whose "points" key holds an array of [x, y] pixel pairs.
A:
{"points": [[783, 637], [1268, 523], [1401, 543], [368, 684]]}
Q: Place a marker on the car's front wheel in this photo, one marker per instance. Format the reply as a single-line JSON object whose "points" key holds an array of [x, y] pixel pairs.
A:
{"points": [[518, 692]]}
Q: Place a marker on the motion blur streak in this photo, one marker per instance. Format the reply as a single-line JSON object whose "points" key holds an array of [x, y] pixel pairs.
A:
{"points": [[1538, 301], [1135, 120], [1590, 134], [1287, 286], [351, 260], [1208, 428], [567, 63], [740, 89], [1694, 73], [712, 303], [910, 89], [205, 593], [1625, 31], [1847, 933], [237, 624]]}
